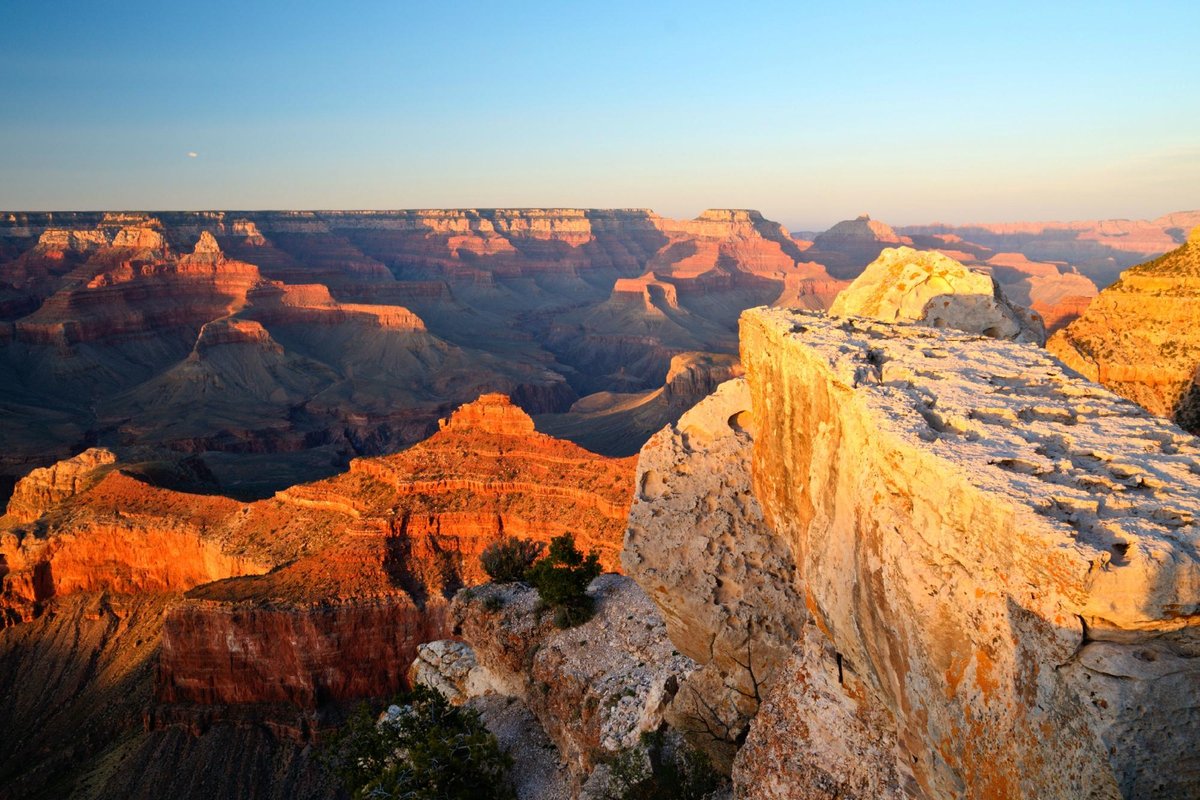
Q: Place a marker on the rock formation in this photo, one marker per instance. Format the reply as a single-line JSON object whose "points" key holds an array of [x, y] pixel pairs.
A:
{"points": [[292, 605], [1137, 338], [593, 688], [42, 489], [906, 285], [998, 563], [698, 546]]}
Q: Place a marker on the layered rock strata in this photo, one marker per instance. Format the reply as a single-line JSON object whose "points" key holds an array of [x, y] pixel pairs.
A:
{"points": [[324, 591], [1138, 337]]}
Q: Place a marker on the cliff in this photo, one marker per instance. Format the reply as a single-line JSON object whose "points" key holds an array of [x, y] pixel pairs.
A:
{"points": [[1137, 338], [379, 550], [727, 588], [997, 561]]}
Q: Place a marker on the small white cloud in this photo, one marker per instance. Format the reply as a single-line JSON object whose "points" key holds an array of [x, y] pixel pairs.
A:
{"points": [[193, 154]]}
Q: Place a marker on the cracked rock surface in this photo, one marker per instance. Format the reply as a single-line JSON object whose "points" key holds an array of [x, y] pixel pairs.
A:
{"points": [[1006, 554]]}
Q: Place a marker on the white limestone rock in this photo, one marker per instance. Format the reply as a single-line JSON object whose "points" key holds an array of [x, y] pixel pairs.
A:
{"points": [[924, 286]]}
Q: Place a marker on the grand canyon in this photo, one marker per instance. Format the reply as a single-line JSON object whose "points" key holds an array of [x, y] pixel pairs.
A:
{"points": [[252, 460], [625, 401]]}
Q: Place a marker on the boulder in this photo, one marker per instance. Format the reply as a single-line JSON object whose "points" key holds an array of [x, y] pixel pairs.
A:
{"points": [[907, 285]]}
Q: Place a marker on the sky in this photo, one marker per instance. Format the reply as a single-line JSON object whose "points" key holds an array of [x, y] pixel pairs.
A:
{"points": [[811, 113]]}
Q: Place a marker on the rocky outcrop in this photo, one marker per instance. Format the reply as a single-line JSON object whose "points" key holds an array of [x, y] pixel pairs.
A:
{"points": [[726, 586], [906, 285], [1002, 556], [994, 566], [490, 414], [100, 530], [42, 489], [594, 688], [380, 549], [1137, 338]]}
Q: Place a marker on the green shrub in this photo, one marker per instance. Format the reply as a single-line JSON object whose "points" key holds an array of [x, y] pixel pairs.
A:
{"points": [[507, 560], [562, 578], [657, 771], [431, 751]]}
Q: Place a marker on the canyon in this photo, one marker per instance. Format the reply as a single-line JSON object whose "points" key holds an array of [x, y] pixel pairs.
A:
{"points": [[248, 351], [250, 461], [277, 613]]}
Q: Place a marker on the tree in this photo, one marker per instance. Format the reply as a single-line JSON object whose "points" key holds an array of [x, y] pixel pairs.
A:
{"points": [[562, 578], [507, 560], [430, 750]]}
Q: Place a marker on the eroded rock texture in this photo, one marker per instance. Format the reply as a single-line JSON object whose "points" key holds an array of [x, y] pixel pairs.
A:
{"points": [[1005, 554], [726, 586], [1138, 337], [594, 688], [997, 563]]}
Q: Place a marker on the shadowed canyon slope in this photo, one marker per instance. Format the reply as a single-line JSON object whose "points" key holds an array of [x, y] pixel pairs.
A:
{"points": [[273, 610]]}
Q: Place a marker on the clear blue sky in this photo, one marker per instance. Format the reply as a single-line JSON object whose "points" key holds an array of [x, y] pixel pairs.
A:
{"points": [[956, 112]]}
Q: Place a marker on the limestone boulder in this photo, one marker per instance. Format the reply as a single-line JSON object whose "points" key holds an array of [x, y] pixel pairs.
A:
{"points": [[925, 286]]}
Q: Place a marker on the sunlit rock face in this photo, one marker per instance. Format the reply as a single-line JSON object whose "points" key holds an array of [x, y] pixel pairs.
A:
{"points": [[906, 285], [324, 591], [1022, 545], [1139, 338], [997, 562], [42, 488]]}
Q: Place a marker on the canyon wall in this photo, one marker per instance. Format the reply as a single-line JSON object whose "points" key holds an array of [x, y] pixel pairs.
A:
{"points": [[1138, 337]]}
